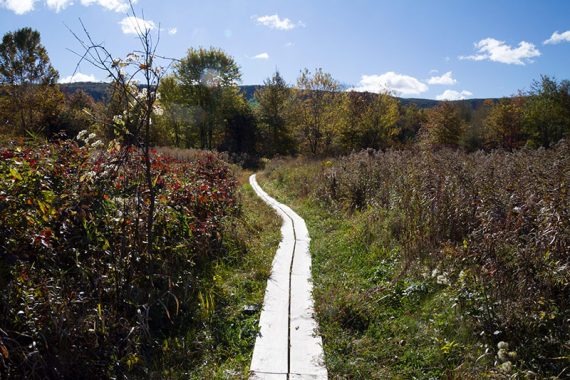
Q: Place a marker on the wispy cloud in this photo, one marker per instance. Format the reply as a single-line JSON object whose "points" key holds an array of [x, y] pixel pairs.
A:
{"points": [[276, 22], [497, 51], [79, 77], [557, 38], [445, 79], [58, 5], [172, 31], [19, 7], [112, 5], [392, 82], [454, 95], [261, 56], [135, 25]]}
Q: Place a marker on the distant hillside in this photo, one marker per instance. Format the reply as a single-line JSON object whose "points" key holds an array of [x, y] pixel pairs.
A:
{"points": [[99, 92], [249, 90], [429, 103]]}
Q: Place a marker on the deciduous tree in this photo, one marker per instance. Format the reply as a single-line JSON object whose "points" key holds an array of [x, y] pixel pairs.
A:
{"points": [[273, 106], [29, 80], [504, 124], [443, 126], [316, 102], [547, 111], [206, 77], [380, 122]]}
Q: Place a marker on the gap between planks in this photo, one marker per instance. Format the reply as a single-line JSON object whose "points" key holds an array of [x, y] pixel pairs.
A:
{"points": [[287, 346]]}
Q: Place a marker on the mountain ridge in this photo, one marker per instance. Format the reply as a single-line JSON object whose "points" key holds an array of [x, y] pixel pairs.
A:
{"points": [[98, 90]]}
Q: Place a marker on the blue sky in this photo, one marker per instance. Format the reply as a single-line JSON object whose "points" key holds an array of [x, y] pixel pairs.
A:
{"points": [[428, 49]]}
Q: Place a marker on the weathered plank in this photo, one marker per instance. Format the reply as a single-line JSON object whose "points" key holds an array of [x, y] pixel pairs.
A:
{"points": [[288, 346]]}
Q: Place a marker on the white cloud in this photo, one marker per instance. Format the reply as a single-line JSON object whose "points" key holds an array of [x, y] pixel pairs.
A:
{"points": [[135, 25], [112, 5], [392, 82], [79, 77], [445, 79], [276, 22], [454, 95], [557, 38], [172, 31], [24, 6], [261, 56], [289, 44], [19, 7], [58, 5], [497, 51]]}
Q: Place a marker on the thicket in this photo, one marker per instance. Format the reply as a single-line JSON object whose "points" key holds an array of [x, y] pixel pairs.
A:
{"points": [[493, 227], [82, 296]]}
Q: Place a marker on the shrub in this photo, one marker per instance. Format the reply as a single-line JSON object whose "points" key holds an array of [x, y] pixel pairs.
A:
{"points": [[83, 295]]}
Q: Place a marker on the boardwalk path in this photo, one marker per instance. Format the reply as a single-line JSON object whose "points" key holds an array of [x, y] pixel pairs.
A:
{"points": [[287, 347]]}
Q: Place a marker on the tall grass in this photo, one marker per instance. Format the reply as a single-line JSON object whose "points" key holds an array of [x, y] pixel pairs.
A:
{"points": [[495, 226]]}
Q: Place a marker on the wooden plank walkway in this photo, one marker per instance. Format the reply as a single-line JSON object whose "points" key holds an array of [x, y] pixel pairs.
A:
{"points": [[287, 346]]}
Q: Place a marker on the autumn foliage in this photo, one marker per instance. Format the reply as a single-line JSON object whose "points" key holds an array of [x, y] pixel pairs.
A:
{"points": [[83, 296]]}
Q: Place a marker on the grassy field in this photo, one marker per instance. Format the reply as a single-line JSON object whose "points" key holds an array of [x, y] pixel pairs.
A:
{"points": [[375, 325], [389, 307]]}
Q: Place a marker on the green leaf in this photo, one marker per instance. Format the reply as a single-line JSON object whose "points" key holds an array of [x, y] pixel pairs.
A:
{"points": [[15, 174]]}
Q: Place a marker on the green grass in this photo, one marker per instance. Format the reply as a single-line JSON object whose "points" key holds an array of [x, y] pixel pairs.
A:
{"points": [[221, 344], [377, 320]]}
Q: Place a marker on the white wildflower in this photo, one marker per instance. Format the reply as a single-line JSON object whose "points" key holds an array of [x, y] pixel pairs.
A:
{"points": [[503, 345], [442, 279], [506, 367], [141, 95], [81, 134], [503, 355], [157, 110]]}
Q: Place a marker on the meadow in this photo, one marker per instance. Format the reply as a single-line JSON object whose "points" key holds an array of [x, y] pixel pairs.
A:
{"points": [[437, 264]]}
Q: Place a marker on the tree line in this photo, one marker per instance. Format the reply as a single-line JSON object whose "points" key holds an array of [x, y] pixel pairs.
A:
{"points": [[201, 106]]}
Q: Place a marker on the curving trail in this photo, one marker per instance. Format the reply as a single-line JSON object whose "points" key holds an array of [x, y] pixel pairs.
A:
{"points": [[287, 346]]}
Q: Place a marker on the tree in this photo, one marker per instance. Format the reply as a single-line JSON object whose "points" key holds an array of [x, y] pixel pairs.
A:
{"points": [[380, 122], [273, 104], [175, 124], [207, 77], [475, 131], [368, 121], [315, 110], [136, 80], [504, 124], [410, 122], [547, 112], [80, 113], [29, 79], [443, 127], [239, 134], [353, 108]]}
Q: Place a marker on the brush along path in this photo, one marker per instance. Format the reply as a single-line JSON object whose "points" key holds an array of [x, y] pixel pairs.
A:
{"points": [[287, 346]]}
